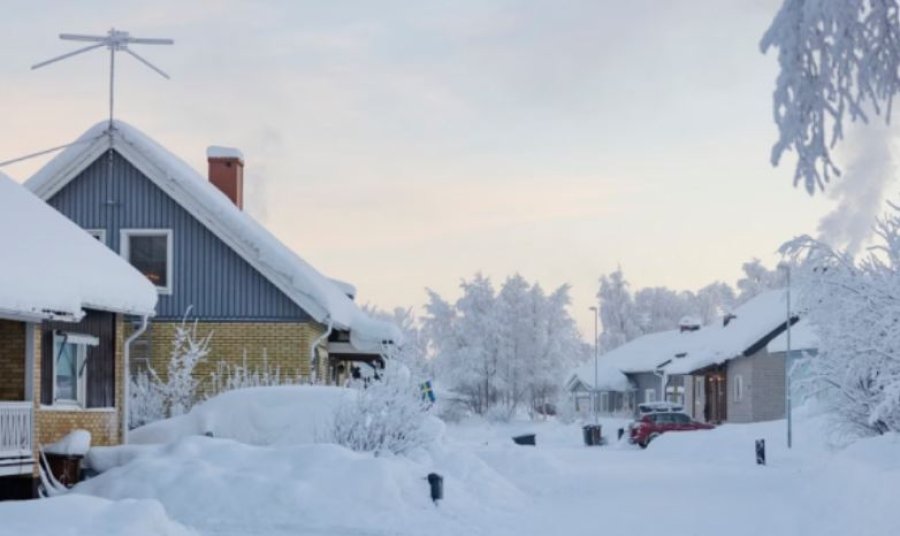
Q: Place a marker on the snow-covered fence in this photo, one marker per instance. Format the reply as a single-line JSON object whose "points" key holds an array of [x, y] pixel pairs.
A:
{"points": [[16, 427]]}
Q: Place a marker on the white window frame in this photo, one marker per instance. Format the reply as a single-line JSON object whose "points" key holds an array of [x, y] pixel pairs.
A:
{"points": [[99, 234], [80, 342], [604, 401], [125, 234], [649, 396], [738, 394]]}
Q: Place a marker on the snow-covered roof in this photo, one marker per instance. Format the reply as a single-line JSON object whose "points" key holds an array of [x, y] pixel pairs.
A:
{"points": [[217, 151], [677, 352], [649, 352], [608, 378], [752, 323], [296, 278], [52, 268], [803, 337]]}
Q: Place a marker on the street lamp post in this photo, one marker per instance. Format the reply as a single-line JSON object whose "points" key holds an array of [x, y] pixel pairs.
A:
{"points": [[596, 372], [787, 355]]}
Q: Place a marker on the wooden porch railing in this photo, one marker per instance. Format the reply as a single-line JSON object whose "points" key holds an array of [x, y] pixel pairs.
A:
{"points": [[16, 427]]}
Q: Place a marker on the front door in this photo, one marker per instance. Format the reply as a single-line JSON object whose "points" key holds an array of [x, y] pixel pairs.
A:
{"points": [[716, 396]]}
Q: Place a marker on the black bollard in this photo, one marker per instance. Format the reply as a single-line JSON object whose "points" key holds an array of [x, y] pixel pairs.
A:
{"points": [[436, 482], [621, 433], [760, 452]]}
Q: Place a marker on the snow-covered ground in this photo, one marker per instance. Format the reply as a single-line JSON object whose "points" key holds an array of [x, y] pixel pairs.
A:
{"points": [[697, 483]]}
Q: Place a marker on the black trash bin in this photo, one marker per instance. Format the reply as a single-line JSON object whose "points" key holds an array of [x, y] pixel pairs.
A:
{"points": [[592, 437], [436, 482], [525, 439]]}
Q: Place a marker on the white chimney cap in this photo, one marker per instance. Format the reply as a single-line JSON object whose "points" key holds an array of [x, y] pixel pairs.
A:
{"points": [[216, 151]]}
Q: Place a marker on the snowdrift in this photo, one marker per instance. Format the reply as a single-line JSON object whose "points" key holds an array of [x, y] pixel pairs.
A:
{"points": [[79, 515], [282, 415], [226, 487]]}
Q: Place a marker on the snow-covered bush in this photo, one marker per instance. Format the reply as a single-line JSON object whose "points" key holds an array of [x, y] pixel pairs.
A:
{"points": [[855, 308], [153, 397], [230, 376], [389, 415], [148, 403]]}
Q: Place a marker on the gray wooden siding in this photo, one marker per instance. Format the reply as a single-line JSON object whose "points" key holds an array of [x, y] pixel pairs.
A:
{"points": [[208, 274], [741, 410]]}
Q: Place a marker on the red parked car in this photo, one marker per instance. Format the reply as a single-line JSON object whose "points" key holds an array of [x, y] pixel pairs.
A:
{"points": [[648, 427]]}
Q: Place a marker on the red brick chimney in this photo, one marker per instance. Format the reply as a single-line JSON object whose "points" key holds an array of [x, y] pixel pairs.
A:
{"points": [[226, 172]]}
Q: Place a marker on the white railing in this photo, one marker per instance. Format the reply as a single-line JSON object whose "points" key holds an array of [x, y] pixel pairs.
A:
{"points": [[16, 427]]}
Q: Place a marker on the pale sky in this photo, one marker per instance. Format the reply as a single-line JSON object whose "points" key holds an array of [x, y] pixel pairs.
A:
{"points": [[404, 145]]}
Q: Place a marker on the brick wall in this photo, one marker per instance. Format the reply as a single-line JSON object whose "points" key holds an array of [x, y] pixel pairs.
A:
{"points": [[12, 360], [282, 346]]}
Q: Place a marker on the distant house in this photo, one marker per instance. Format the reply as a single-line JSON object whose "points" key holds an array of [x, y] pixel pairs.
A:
{"points": [[63, 350], [189, 235], [728, 372], [606, 386], [732, 371]]}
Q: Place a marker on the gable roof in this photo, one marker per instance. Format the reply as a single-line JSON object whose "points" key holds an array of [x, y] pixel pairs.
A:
{"points": [[803, 337], [292, 275], [52, 268], [755, 323], [609, 378]]}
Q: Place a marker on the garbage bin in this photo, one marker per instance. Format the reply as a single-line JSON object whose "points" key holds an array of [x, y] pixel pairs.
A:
{"points": [[592, 437], [66, 468], [526, 439]]}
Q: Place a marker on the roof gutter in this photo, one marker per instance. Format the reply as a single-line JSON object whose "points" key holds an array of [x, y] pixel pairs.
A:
{"points": [[313, 354], [126, 376]]}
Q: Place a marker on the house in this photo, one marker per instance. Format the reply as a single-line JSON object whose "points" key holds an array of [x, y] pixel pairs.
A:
{"points": [[63, 350], [733, 370], [189, 235], [729, 373], [605, 385]]}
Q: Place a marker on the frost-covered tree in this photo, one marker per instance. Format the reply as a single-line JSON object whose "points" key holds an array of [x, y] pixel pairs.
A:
{"points": [[503, 351], [855, 307], [388, 415], [838, 59], [617, 312], [756, 280]]}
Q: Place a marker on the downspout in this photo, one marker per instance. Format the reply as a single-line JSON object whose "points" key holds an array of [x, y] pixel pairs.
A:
{"points": [[126, 376], [313, 355]]}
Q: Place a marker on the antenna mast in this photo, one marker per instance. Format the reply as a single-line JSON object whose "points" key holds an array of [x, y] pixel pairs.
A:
{"points": [[115, 41]]}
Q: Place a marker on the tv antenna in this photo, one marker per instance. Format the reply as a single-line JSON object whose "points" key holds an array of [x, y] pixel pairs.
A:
{"points": [[115, 41]]}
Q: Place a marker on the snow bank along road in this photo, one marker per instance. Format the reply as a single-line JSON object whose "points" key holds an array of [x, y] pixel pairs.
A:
{"points": [[697, 483]]}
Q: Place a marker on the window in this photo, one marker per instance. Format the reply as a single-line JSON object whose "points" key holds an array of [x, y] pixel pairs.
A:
{"points": [[99, 234], [649, 395], [604, 402], [150, 251], [70, 367], [738, 388]]}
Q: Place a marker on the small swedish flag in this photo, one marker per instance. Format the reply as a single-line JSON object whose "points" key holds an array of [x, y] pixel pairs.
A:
{"points": [[427, 391]]}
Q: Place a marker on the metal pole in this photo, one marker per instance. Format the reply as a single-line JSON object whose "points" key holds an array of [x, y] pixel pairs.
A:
{"points": [[112, 77], [596, 372], [787, 358]]}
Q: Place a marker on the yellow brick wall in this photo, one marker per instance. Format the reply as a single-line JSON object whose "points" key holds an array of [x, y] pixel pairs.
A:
{"points": [[283, 346], [12, 360], [51, 424]]}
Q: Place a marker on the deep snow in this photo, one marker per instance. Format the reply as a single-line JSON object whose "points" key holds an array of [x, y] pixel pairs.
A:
{"points": [[697, 483]]}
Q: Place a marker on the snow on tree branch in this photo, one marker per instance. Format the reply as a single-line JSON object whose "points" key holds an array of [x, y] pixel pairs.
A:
{"points": [[836, 58]]}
